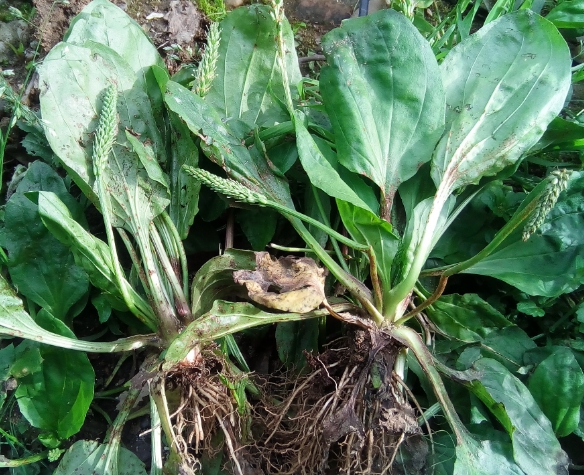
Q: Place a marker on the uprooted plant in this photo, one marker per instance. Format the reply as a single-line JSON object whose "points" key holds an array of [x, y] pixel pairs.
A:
{"points": [[401, 143]]}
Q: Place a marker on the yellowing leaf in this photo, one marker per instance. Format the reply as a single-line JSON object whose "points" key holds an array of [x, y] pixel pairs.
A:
{"points": [[289, 284]]}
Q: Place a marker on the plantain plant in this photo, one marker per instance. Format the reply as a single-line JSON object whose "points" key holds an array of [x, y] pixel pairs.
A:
{"points": [[393, 144]]}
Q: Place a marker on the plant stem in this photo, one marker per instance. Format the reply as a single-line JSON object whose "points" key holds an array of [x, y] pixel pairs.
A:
{"points": [[377, 292], [24, 461], [331, 232], [180, 251], [278, 6], [168, 322], [180, 301], [326, 221], [356, 288], [400, 292], [156, 440], [135, 259], [410, 338]]}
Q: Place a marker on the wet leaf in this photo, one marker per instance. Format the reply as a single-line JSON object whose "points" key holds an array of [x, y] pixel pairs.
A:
{"points": [[557, 385], [289, 284]]}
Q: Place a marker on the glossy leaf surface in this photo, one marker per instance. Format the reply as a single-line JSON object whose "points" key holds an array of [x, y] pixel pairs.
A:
{"points": [[567, 14]]}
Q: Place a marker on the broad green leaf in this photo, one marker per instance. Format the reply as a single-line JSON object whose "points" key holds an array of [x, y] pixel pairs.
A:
{"points": [[214, 280], [295, 338], [320, 163], [508, 345], [72, 80], [550, 263], [465, 317], [7, 360], [15, 322], [226, 318], [530, 308], [567, 14], [103, 22], [484, 457], [88, 457], [557, 385], [258, 226], [56, 398], [384, 96], [317, 205], [503, 84], [223, 145], [535, 447], [184, 189], [90, 253], [28, 359], [562, 135], [416, 229], [366, 228], [247, 73], [36, 257]]}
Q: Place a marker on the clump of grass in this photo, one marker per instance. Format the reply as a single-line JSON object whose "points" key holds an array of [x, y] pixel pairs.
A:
{"points": [[214, 9]]}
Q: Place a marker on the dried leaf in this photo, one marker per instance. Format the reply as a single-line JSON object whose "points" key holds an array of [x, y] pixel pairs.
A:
{"points": [[289, 284]]}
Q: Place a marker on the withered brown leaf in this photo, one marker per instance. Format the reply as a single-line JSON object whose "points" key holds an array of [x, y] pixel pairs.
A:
{"points": [[290, 284]]}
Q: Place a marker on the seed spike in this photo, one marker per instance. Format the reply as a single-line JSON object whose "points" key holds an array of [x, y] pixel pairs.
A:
{"points": [[106, 131], [227, 186], [557, 182]]}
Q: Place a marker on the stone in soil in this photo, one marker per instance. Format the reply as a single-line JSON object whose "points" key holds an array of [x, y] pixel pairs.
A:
{"points": [[325, 12]]}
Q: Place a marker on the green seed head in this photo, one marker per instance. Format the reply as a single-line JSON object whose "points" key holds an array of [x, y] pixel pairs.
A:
{"points": [[208, 65], [106, 131], [557, 182], [226, 186]]}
